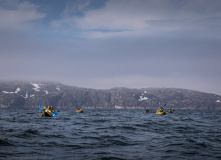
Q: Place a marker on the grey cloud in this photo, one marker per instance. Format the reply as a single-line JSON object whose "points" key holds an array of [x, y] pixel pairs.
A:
{"points": [[171, 50]]}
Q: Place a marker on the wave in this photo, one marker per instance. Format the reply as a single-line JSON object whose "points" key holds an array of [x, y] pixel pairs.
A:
{"points": [[6, 142], [111, 135]]}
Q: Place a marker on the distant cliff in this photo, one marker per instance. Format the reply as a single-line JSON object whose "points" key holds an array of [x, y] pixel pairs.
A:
{"points": [[22, 94]]}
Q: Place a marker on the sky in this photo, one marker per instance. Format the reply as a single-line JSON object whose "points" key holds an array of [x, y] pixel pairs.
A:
{"points": [[103, 44]]}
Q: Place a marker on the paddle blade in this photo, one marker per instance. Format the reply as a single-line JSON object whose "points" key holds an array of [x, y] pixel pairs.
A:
{"points": [[40, 108], [56, 113]]}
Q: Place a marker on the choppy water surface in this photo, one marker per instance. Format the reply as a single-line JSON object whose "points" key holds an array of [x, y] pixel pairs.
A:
{"points": [[110, 134]]}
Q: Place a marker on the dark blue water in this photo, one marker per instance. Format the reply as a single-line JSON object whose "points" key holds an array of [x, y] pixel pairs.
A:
{"points": [[110, 134]]}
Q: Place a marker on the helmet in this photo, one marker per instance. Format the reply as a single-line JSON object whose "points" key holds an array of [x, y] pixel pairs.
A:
{"points": [[44, 107]]}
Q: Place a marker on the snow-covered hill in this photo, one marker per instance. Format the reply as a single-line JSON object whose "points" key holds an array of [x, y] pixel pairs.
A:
{"points": [[28, 94]]}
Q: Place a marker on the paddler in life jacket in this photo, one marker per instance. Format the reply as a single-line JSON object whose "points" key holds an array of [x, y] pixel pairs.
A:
{"points": [[161, 109], [170, 111], [44, 109], [147, 111], [51, 109], [79, 110]]}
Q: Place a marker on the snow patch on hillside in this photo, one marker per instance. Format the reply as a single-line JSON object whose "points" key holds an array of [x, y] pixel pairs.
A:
{"points": [[36, 86], [26, 95], [58, 88], [46, 91], [16, 91], [142, 98]]}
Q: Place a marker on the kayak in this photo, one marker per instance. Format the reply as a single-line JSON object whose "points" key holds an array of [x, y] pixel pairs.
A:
{"points": [[161, 113], [170, 112], [147, 112], [47, 113], [79, 111]]}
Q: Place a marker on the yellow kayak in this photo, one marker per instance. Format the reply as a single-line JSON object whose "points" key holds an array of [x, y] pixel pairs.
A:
{"points": [[161, 113], [46, 113], [79, 111]]}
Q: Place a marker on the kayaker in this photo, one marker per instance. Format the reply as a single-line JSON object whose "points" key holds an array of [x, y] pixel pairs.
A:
{"points": [[170, 110], [52, 110], [147, 111], [49, 108]]}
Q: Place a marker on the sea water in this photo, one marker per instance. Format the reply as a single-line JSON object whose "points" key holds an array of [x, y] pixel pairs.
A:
{"points": [[110, 134]]}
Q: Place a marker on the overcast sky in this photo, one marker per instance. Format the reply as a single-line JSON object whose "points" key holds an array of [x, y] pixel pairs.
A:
{"points": [[103, 44]]}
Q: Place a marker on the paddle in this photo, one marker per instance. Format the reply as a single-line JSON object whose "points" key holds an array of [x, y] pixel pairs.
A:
{"points": [[54, 115], [40, 107]]}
